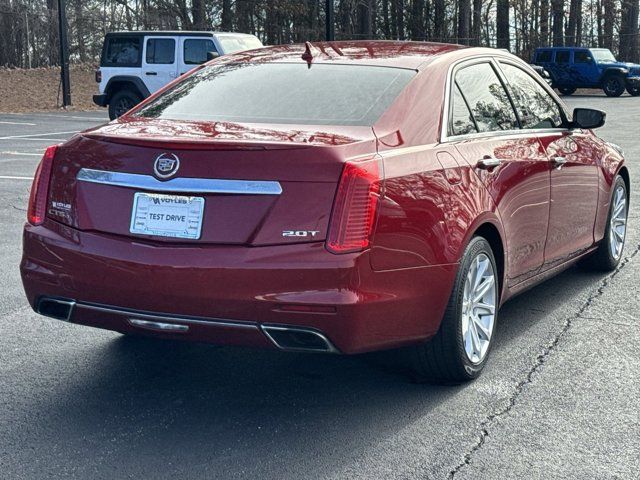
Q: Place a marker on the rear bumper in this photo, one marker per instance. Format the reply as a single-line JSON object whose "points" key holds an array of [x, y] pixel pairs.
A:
{"points": [[100, 99], [228, 294]]}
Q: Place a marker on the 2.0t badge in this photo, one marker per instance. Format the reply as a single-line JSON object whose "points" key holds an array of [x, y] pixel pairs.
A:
{"points": [[166, 165]]}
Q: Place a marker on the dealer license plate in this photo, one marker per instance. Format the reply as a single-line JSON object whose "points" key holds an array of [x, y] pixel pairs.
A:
{"points": [[167, 215]]}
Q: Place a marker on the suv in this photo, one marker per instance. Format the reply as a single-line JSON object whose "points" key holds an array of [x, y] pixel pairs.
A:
{"points": [[136, 64], [572, 68]]}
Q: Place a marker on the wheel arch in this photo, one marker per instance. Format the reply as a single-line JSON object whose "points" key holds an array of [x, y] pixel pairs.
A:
{"points": [[624, 173], [489, 231], [616, 71], [120, 82]]}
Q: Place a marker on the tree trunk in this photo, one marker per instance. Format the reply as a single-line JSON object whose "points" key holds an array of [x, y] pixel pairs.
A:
{"points": [[575, 15], [629, 31], [544, 23], [609, 20], [464, 13], [557, 13], [226, 23], [243, 16], [416, 21], [439, 26], [502, 24], [477, 22]]}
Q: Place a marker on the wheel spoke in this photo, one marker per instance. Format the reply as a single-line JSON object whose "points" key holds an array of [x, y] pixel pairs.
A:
{"points": [[486, 332], [481, 291], [489, 309]]}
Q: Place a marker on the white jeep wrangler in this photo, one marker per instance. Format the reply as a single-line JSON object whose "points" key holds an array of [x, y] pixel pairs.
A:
{"points": [[136, 64]]}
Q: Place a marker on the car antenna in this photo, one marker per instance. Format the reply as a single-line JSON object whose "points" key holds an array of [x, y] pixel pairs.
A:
{"points": [[310, 52]]}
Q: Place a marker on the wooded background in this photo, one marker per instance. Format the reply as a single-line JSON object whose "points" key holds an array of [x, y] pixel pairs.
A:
{"points": [[29, 28]]}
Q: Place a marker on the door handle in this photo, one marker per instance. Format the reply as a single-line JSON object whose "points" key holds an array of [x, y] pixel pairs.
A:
{"points": [[558, 162], [488, 162], [151, 73]]}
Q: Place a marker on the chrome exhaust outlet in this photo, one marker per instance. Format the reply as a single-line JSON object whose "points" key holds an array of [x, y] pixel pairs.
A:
{"points": [[58, 308], [298, 339]]}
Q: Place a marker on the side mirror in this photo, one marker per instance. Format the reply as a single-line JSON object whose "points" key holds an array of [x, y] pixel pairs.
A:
{"points": [[212, 55], [588, 118]]}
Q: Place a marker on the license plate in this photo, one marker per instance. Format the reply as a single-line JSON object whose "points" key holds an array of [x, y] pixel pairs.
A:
{"points": [[167, 215]]}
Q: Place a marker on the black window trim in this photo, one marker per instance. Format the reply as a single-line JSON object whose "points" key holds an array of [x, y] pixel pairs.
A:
{"points": [[184, 46], [137, 64], [445, 137], [466, 103], [175, 48]]}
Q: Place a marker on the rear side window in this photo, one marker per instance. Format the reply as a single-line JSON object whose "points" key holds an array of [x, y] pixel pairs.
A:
{"points": [[461, 120], [537, 109], [161, 51], [238, 43], [195, 50], [581, 56], [487, 98], [121, 52], [287, 93], [562, 56], [544, 56]]}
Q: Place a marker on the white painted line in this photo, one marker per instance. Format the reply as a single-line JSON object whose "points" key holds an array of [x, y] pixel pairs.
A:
{"points": [[10, 177], [18, 123], [22, 154], [11, 137], [37, 139]]}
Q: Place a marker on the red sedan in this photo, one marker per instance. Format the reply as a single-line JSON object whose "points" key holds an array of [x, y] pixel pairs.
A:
{"points": [[339, 197]]}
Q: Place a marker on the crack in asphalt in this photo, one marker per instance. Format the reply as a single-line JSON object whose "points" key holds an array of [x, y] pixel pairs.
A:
{"points": [[539, 361]]}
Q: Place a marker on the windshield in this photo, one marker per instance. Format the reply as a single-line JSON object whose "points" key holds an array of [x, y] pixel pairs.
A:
{"points": [[238, 43], [287, 93], [603, 55]]}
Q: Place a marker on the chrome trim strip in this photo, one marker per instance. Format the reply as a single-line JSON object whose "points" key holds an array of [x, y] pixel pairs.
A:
{"points": [[180, 184], [168, 318], [282, 328], [160, 326]]}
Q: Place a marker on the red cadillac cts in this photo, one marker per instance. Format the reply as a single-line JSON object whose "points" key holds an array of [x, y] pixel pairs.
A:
{"points": [[338, 197]]}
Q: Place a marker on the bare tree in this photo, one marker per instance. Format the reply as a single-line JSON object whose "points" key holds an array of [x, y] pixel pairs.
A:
{"points": [[502, 24]]}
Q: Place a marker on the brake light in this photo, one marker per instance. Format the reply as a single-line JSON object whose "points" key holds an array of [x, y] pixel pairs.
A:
{"points": [[40, 188], [354, 209], [98, 75]]}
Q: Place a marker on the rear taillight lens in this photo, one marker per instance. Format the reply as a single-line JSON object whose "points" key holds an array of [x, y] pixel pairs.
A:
{"points": [[354, 209], [40, 188], [98, 75]]}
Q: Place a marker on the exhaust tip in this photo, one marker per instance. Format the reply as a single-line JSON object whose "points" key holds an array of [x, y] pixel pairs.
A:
{"points": [[58, 308], [298, 339]]}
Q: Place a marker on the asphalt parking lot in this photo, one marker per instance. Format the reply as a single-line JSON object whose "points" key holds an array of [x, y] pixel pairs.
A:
{"points": [[559, 398]]}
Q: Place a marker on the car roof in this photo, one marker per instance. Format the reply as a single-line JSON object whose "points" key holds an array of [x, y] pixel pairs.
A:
{"points": [[399, 54], [174, 33]]}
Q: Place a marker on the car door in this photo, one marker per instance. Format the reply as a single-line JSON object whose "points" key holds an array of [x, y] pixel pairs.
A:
{"points": [[562, 69], [193, 52], [159, 65], [572, 161], [509, 161], [586, 70]]}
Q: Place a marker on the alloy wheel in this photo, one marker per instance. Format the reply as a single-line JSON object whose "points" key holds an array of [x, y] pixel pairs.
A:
{"points": [[618, 222], [479, 308]]}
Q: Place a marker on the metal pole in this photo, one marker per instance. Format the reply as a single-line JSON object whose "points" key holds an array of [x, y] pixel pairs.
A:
{"points": [[64, 54], [329, 23]]}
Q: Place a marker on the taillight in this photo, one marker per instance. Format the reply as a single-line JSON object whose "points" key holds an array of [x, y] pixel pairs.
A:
{"points": [[40, 188], [98, 75], [354, 209]]}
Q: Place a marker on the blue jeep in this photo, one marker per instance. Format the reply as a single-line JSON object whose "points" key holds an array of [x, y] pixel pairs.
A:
{"points": [[575, 67]]}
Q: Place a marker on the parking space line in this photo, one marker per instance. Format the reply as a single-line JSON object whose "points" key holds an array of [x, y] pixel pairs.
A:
{"points": [[31, 135], [22, 154], [18, 123], [12, 177], [37, 139]]}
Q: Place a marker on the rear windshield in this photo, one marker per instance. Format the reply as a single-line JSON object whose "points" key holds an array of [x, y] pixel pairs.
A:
{"points": [[238, 43], [285, 93]]}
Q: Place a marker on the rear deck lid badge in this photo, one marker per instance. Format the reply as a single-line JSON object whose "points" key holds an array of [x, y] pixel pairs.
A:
{"points": [[166, 165]]}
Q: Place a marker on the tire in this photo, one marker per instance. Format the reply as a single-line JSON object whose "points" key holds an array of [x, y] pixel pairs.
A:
{"points": [[122, 101], [567, 90], [613, 86], [633, 91], [445, 358], [607, 257]]}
